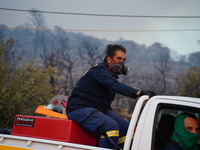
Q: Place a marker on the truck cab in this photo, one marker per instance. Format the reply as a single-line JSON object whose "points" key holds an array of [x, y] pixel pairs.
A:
{"points": [[155, 123]]}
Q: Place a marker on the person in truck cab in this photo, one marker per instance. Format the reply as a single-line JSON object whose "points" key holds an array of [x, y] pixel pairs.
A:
{"points": [[185, 135], [90, 102]]}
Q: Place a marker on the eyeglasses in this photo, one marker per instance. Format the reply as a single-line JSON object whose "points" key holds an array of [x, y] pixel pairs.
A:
{"points": [[120, 58]]}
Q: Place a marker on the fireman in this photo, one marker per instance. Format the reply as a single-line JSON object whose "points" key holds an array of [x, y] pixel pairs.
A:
{"points": [[90, 102]]}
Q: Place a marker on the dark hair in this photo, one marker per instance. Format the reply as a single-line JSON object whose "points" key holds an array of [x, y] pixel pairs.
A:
{"points": [[111, 49]]}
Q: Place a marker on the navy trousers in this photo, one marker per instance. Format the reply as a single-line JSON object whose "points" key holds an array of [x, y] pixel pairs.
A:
{"points": [[96, 122]]}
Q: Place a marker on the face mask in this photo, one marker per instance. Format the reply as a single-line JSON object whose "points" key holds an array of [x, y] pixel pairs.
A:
{"points": [[186, 139], [120, 68]]}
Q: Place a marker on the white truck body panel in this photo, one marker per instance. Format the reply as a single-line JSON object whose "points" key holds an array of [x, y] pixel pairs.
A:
{"points": [[41, 144]]}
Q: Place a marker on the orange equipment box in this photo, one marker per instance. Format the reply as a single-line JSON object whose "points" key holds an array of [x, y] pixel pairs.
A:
{"points": [[51, 129]]}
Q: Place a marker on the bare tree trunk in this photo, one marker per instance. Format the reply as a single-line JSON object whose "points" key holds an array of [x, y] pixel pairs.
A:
{"points": [[163, 67]]}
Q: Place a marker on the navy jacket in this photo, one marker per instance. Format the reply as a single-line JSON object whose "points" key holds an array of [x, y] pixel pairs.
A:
{"points": [[97, 89], [172, 146]]}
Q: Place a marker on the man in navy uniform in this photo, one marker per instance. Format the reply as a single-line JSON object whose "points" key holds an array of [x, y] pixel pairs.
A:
{"points": [[90, 102]]}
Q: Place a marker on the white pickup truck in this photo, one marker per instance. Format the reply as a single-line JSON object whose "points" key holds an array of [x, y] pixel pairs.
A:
{"points": [[150, 127]]}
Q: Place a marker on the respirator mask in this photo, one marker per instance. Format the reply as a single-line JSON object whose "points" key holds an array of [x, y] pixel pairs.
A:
{"points": [[120, 68]]}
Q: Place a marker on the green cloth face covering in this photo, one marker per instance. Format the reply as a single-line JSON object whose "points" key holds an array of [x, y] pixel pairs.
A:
{"points": [[186, 139]]}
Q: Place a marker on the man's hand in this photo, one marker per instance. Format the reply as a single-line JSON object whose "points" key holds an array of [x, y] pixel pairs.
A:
{"points": [[150, 93]]}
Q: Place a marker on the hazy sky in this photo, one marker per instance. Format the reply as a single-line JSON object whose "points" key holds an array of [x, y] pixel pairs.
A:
{"points": [[171, 32]]}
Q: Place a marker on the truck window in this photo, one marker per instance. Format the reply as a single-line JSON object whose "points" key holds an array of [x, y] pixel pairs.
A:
{"points": [[164, 122]]}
